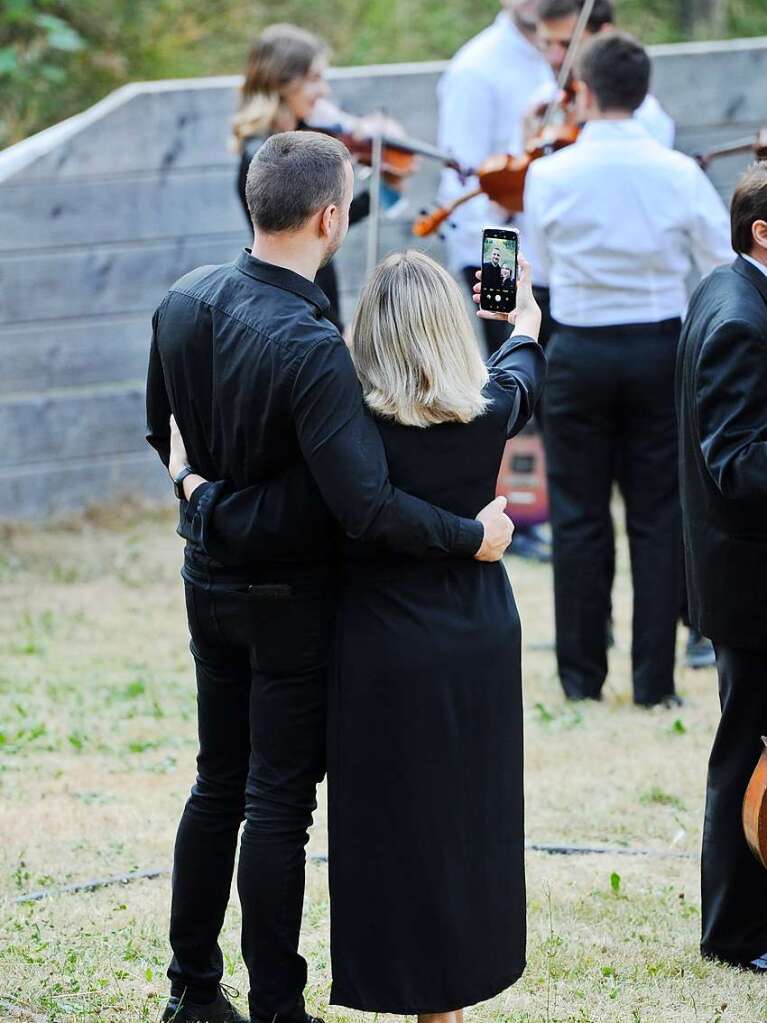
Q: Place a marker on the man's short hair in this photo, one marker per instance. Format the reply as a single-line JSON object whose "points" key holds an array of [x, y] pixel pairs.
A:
{"points": [[293, 176], [602, 14], [616, 67], [749, 203]]}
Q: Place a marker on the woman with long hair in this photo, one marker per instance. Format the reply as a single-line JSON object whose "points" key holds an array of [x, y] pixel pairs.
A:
{"points": [[284, 82], [426, 831]]}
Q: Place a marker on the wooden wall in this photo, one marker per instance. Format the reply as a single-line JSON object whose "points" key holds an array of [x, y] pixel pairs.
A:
{"points": [[99, 215]]}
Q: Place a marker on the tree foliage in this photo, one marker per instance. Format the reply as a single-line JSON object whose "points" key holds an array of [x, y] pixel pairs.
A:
{"points": [[59, 56]]}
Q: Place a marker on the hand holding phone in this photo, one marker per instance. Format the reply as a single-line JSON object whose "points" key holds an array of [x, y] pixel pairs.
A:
{"points": [[526, 316]]}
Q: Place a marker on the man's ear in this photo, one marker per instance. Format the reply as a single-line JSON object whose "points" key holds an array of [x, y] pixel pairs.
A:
{"points": [[759, 233], [327, 220]]}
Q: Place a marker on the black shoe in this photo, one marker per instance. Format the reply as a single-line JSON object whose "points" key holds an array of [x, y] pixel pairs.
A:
{"points": [[757, 965], [700, 651], [526, 544], [668, 702], [179, 1010]]}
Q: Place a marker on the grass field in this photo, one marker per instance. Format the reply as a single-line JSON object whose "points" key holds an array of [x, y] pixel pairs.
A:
{"points": [[97, 744]]}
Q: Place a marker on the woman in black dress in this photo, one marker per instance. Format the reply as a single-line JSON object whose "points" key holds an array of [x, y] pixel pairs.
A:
{"points": [[283, 84], [426, 830]]}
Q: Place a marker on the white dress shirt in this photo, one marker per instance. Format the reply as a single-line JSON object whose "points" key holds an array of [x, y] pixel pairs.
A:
{"points": [[756, 263], [618, 221], [483, 97], [650, 115]]}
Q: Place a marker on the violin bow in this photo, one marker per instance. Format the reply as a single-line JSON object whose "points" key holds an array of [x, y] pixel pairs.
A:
{"points": [[569, 62], [756, 145]]}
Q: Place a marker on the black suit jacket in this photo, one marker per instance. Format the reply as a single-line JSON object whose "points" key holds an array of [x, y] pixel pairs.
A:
{"points": [[722, 408]]}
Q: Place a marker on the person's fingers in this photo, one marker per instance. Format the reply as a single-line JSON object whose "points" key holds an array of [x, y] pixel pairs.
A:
{"points": [[478, 275], [499, 502], [485, 314]]}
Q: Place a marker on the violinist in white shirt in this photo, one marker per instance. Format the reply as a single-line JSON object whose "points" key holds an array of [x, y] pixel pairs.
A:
{"points": [[483, 97], [619, 221], [556, 21]]}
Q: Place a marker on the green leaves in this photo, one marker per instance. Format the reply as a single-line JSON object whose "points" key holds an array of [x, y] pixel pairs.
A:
{"points": [[61, 36], [615, 882]]}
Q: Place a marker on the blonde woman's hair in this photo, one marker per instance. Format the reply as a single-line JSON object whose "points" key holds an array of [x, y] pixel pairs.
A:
{"points": [[278, 56], [413, 345]]}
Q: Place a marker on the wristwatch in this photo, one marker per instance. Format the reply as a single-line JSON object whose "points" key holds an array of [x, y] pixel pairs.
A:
{"points": [[178, 481]]}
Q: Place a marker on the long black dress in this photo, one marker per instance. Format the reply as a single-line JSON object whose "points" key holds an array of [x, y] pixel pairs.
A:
{"points": [[425, 739]]}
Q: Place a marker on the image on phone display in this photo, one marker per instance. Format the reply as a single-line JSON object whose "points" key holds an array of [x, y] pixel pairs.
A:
{"points": [[499, 270]]}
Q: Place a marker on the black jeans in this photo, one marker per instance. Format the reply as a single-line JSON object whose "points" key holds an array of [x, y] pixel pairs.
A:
{"points": [[609, 401], [733, 883], [261, 652]]}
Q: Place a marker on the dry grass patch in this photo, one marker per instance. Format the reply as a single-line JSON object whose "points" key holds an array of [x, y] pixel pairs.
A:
{"points": [[97, 743]]}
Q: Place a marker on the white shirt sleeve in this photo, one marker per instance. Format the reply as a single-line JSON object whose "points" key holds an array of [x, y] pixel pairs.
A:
{"points": [[535, 244], [466, 132], [709, 225], [656, 121]]}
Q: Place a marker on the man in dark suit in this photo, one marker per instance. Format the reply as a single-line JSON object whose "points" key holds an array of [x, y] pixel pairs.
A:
{"points": [[722, 407]]}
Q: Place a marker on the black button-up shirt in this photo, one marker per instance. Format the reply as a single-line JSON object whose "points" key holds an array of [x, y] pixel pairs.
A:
{"points": [[263, 387]]}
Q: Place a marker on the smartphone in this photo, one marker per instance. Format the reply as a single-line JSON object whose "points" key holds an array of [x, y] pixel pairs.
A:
{"points": [[499, 269]]}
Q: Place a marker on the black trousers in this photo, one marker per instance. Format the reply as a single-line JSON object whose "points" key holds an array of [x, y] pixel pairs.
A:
{"points": [[610, 397], [733, 883], [261, 653]]}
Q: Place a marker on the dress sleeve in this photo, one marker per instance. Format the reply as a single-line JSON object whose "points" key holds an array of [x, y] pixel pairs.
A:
{"points": [[730, 402], [519, 368]]}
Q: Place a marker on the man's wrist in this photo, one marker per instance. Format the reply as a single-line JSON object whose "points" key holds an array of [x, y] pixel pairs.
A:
{"points": [[191, 483]]}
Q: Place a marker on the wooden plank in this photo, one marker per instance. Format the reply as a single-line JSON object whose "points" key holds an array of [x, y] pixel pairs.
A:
{"points": [[55, 488], [76, 423], [717, 84], [106, 281], [74, 353], [46, 215]]}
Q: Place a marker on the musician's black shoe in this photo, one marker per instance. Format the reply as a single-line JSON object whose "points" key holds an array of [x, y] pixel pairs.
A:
{"points": [[528, 542], [221, 1010], [758, 965], [669, 701], [700, 651]]}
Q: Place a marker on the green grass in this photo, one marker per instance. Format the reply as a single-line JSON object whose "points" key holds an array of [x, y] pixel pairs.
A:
{"points": [[97, 746]]}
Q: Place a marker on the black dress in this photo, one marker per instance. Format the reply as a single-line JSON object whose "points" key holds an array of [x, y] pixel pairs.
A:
{"points": [[425, 740]]}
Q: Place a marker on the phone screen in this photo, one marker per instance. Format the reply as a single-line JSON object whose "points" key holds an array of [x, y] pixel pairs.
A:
{"points": [[499, 270]]}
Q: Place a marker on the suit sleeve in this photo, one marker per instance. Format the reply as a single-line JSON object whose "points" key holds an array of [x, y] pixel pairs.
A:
{"points": [[519, 367], [730, 400], [344, 452]]}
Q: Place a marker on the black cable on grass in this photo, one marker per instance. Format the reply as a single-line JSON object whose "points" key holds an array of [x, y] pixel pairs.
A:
{"points": [[551, 850]]}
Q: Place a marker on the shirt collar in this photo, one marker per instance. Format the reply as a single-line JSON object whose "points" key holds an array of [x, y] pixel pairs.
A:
{"points": [[628, 129], [756, 263], [281, 277]]}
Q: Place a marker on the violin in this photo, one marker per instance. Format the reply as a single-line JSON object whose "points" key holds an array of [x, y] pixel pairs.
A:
{"points": [[756, 145], [755, 809], [502, 178], [399, 153]]}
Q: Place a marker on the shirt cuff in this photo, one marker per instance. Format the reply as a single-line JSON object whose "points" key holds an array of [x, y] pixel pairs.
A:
{"points": [[471, 534]]}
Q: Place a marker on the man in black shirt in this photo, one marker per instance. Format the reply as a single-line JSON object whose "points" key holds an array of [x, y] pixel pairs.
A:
{"points": [[263, 389]]}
